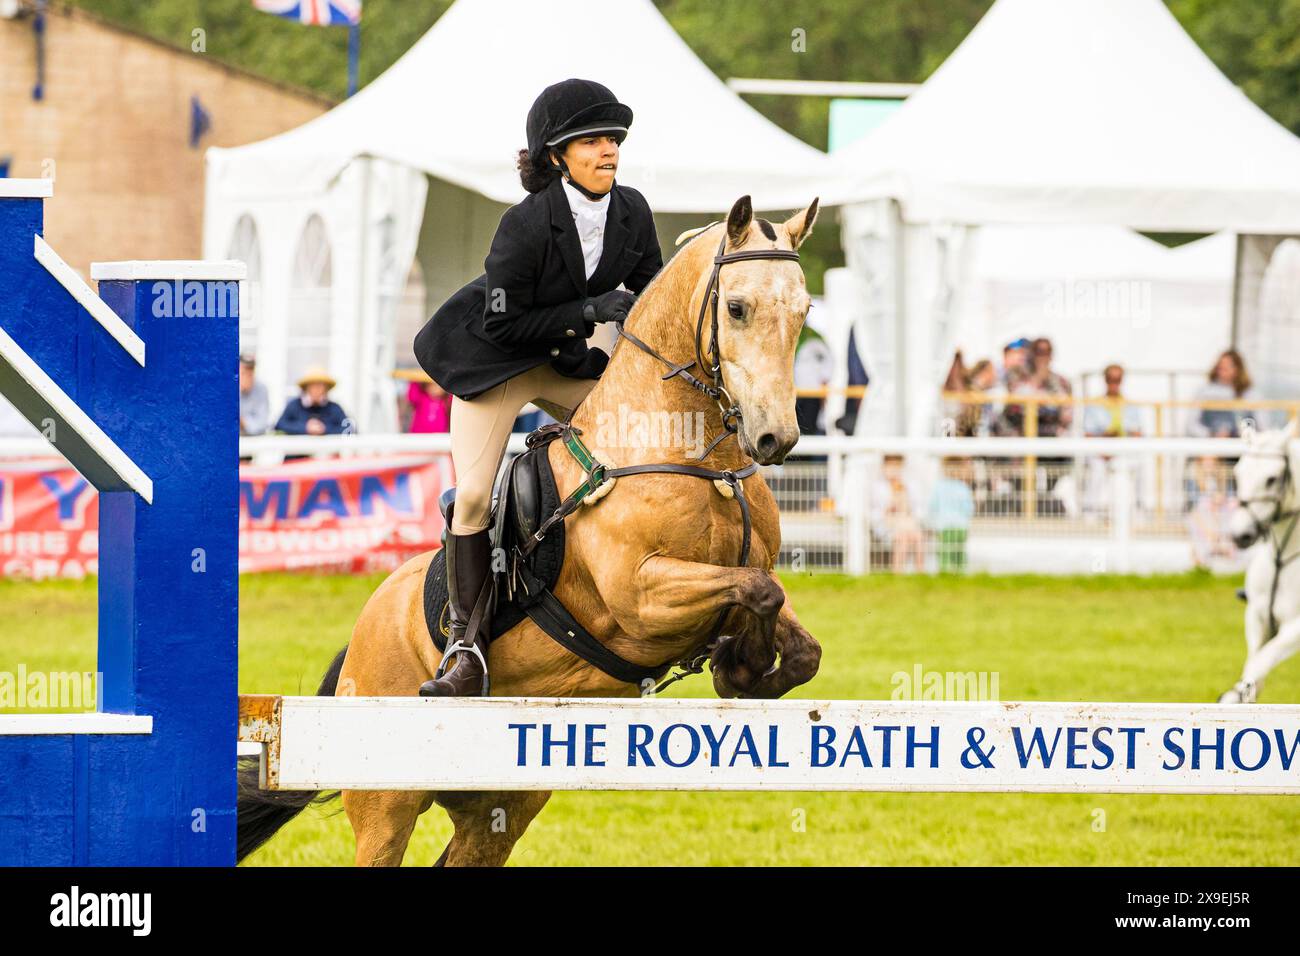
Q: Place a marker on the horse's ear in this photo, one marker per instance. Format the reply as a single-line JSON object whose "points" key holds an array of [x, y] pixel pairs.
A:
{"points": [[799, 226], [1292, 429], [738, 220]]}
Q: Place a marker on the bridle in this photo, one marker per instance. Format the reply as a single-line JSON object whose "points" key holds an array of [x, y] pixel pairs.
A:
{"points": [[1270, 531], [716, 390], [572, 635]]}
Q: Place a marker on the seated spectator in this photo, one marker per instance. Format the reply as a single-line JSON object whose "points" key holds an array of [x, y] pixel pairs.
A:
{"points": [[894, 506], [1210, 508], [1038, 379], [951, 506], [979, 418], [1015, 362], [1115, 418], [430, 407], [312, 412], [254, 405], [1228, 380], [957, 382]]}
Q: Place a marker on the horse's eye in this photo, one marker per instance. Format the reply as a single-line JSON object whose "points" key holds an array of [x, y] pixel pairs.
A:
{"points": [[1271, 481], [736, 309]]}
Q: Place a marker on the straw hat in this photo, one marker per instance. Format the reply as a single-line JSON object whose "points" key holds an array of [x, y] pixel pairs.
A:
{"points": [[316, 373]]}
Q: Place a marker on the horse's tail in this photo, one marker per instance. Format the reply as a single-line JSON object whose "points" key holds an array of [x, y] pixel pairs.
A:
{"points": [[261, 813]]}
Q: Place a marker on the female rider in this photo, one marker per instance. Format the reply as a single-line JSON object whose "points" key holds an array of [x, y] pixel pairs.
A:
{"points": [[518, 333]]}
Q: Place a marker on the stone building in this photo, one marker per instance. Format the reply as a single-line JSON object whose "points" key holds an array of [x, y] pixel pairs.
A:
{"points": [[113, 127]]}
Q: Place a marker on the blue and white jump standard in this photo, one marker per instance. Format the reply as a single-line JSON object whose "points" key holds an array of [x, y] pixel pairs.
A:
{"points": [[136, 385]]}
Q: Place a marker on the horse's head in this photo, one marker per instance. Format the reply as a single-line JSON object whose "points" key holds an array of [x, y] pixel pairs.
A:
{"points": [[1266, 484], [762, 304]]}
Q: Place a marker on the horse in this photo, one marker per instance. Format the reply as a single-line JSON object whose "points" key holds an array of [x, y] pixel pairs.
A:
{"points": [[1268, 507], [650, 568]]}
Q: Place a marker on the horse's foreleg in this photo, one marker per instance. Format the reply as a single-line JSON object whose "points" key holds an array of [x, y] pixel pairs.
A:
{"points": [[800, 657], [673, 597], [383, 821], [1255, 627], [488, 825], [1260, 663]]}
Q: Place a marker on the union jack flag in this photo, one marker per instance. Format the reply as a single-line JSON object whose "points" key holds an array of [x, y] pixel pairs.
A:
{"points": [[318, 13]]}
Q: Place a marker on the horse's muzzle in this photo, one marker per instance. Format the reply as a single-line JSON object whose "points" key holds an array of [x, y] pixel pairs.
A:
{"points": [[771, 447]]}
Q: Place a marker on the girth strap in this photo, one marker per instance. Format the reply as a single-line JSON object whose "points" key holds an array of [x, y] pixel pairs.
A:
{"points": [[554, 618]]}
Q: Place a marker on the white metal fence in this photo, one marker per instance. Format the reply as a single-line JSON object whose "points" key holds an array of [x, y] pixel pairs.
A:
{"points": [[949, 505]]}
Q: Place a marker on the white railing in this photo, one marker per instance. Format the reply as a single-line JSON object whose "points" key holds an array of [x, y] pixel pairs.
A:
{"points": [[1078, 505]]}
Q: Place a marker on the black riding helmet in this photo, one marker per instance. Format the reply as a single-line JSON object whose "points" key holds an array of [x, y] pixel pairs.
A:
{"points": [[573, 108]]}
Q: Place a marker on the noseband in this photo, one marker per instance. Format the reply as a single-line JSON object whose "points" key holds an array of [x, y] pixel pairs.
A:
{"points": [[1279, 546], [716, 390]]}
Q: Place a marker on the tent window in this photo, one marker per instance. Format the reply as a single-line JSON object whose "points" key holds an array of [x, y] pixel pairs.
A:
{"points": [[401, 302], [245, 247], [309, 301], [410, 316]]}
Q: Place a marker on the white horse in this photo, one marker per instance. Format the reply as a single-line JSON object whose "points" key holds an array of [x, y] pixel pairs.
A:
{"points": [[1268, 507]]}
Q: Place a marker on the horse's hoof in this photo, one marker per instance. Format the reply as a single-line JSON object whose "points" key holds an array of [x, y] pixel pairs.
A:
{"points": [[1242, 692]]}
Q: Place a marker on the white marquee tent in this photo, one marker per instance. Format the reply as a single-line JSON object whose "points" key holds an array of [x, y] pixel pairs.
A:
{"points": [[419, 165], [1053, 112]]}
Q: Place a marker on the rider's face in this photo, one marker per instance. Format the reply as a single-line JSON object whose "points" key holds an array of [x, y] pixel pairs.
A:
{"points": [[592, 161]]}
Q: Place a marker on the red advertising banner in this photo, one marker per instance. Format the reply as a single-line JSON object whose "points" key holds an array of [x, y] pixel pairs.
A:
{"points": [[355, 515]]}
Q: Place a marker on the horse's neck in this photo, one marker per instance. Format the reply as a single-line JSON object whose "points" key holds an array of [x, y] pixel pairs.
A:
{"points": [[633, 412]]}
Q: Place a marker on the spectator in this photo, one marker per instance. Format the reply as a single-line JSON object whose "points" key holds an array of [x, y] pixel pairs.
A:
{"points": [[1053, 420], [1228, 380], [894, 505], [1015, 361], [812, 369], [254, 405], [951, 506], [312, 412], [1115, 418], [1210, 509], [430, 407], [1037, 378], [977, 418], [848, 422], [958, 381]]}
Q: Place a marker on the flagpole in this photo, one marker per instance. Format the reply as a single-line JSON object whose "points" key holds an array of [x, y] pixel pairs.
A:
{"points": [[354, 55]]}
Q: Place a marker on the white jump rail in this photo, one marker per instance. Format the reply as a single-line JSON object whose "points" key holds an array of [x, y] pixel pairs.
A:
{"points": [[409, 743]]}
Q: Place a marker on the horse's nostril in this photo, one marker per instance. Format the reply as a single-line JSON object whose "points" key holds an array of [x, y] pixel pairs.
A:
{"points": [[767, 444]]}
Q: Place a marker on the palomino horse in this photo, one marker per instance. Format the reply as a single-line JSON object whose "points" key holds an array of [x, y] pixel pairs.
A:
{"points": [[646, 568]]}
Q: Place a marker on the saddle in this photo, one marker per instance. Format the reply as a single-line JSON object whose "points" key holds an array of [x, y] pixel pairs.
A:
{"points": [[524, 495], [527, 527]]}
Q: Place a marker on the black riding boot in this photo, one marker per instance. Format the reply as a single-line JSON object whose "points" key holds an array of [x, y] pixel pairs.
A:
{"points": [[463, 671]]}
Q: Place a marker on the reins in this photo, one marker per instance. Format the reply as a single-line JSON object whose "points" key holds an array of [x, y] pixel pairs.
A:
{"points": [[598, 473]]}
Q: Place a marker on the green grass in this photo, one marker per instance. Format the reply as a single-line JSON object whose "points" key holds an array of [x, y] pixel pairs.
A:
{"points": [[1142, 639]]}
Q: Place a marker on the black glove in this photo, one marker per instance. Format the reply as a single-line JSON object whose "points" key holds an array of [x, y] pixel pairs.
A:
{"points": [[610, 307]]}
